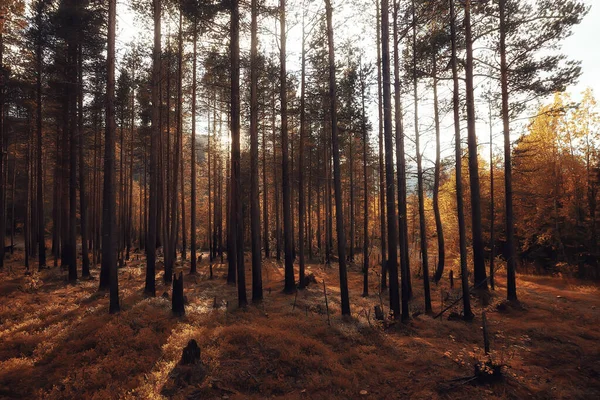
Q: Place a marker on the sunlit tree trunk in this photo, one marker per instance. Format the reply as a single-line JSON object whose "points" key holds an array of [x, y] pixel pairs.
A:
{"points": [[467, 313], [257, 291], [511, 283], [478, 255], [109, 250], [341, 241], [392, 260]]}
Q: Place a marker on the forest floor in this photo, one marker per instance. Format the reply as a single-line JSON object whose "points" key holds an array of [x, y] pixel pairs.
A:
{"points": [[57, 340]]}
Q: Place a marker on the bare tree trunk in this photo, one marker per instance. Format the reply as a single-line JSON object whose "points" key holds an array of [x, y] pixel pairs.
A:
{"points": [[365, 143], [511, 285], [2, 186], [290, 284], [436, 185], [150, 286], [478, 255], [392, 261], [422, 221], [257, 290], [406, 293], [236, 205], [41, 233], [109, 251], [467, 313], [341, 242], [193, 239], [382, 188], [85, 259], [301, 205]]}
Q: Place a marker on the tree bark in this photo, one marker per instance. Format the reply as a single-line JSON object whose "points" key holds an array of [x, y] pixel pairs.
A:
{"points": [[511, 284], [478, 253], [290, 284], [109, 251], [341, 242], [467, 313], [392, 260], [257, 290]]}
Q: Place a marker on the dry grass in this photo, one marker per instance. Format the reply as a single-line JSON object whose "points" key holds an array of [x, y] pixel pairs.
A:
{"points": [[57, 341]]}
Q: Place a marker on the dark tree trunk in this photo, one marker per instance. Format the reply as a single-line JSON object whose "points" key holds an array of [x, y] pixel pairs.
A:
{"points": [[382, 188], [257, 290], [193, 260], [301, 205], [109, 250], [85, 259], [177, 298], [150, 286], [511, 283], [39, 166], [420, 186], [436, 185], [341, 242], [478, 254], [392, 260], [2, 186], [401, 160], [290, 284], [365, 143], [236, 236], [467, 313]]}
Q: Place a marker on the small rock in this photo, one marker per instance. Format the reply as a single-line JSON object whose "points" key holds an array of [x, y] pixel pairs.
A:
{"points": [[363, 392]]}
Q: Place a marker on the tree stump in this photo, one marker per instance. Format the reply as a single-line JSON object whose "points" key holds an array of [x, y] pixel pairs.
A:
{"points": [[178, 301], [451, 279], [191, 353], [378, 313]]}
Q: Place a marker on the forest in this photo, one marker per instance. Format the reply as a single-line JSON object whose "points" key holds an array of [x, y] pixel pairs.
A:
{"points": [[224, 199]]}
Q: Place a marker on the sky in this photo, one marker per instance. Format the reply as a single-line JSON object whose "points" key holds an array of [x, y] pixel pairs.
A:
{"points": [[582, 45]]}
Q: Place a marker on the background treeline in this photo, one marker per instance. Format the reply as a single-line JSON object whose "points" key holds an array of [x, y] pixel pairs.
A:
{"points": [[184, 181]]}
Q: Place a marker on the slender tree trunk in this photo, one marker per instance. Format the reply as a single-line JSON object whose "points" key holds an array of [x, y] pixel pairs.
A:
{"points": [[365, 143], [83, 211], [150, 286], [109, 251], [478, 254], [290, 284], [236, 205], [406, 293], [382, 188], [436, 185], [467, 313], [276, 186], [492, 205], [301, 205], [265, 202], [511, 285], [420, 186], [73, 135], [2, 187], [341, 242], [193, 239], [39, 166], [257, 290], [392, 260]]}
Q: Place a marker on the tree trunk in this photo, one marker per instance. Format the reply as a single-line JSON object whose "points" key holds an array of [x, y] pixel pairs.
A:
{"points": [[341, 242], [39, 166], [193, 260], [257, 291], [420, 188], [237, 251], [478, 254], [467, 313], [401, 160], [83, 211], [436, 185], [382, 188], [365, 143], [392, 260], [109, 251], [511, 284], [150, 286], [301, 205], [290, 284]]}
